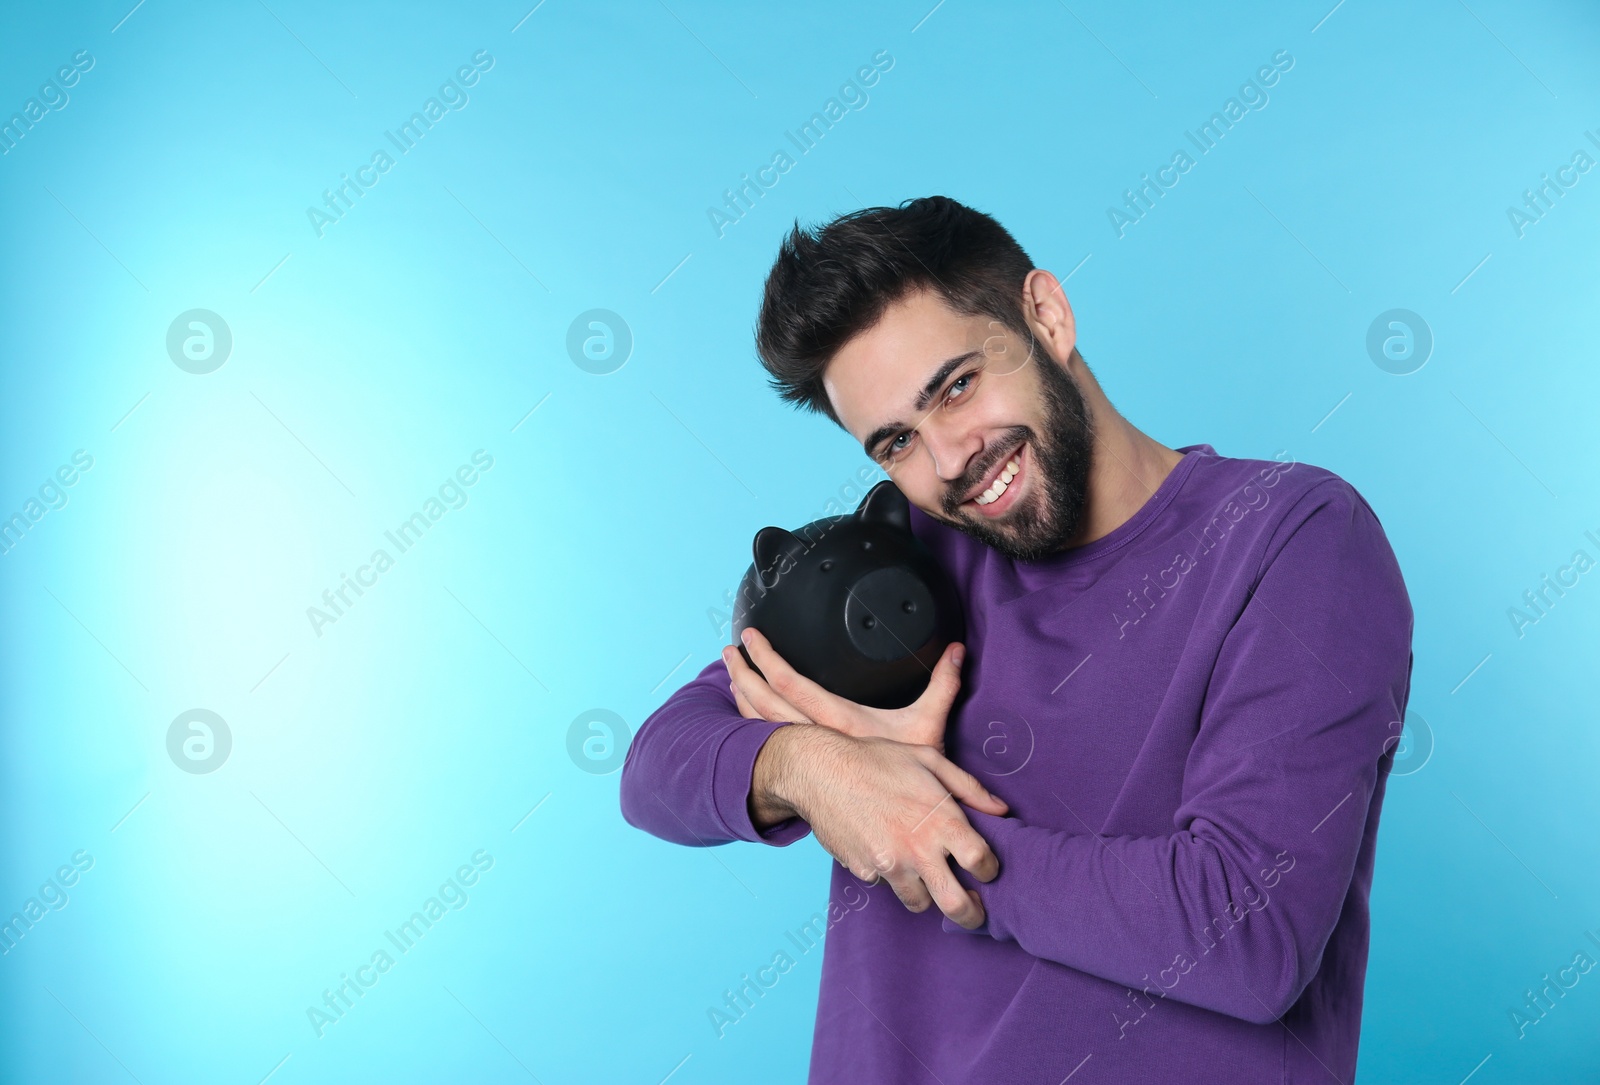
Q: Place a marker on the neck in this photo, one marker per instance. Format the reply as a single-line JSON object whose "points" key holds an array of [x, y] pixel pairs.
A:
{"points": [[1127, 468]]}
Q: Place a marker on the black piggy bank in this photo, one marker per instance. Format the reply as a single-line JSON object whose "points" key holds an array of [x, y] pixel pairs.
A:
{"points": [[856, 603]]}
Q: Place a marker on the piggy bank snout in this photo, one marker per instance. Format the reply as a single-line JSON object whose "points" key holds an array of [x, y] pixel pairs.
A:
{"points": [[889, 614]]}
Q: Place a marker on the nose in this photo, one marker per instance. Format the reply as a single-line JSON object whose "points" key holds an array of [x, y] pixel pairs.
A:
{"points": [[951, 450]]}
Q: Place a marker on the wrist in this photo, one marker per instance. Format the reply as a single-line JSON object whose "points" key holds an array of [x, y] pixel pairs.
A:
{"points": [[769, 781], [779, 783]]}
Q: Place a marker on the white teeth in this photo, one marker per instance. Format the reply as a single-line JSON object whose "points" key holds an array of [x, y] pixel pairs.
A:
{"points": [[999, 486]]}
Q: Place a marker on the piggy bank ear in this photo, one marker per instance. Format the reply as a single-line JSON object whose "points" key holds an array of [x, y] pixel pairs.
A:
{"points": [[776, 552], [885, 504]]}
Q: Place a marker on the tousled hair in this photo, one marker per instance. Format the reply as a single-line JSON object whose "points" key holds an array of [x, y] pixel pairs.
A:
{"points": [[830, 284]]}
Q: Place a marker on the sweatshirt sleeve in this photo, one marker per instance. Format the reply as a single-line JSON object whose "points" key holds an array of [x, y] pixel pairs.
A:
{"points": [[687, 774], [1232, 911]]}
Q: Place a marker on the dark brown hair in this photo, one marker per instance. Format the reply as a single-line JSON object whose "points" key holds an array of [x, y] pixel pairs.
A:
{"points": [[831, 284]]}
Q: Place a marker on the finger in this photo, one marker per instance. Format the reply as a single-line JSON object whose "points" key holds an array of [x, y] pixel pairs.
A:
{"points": [[912, 893], [973, 853], [767, 704], [945, 682], [962, 784], [789, 683], [953, 898], [875, 871], [745, 708], [867, 873]]}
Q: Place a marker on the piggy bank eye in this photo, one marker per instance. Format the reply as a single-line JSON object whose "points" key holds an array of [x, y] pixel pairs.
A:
{"points": [[827, 564], [866, 544]]}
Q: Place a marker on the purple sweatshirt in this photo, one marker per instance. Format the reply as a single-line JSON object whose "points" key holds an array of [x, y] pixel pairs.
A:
{"points": [[1192, 719]]}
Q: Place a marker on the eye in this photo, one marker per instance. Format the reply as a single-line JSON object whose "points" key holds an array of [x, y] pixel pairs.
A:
{"points": [[958, 387]]}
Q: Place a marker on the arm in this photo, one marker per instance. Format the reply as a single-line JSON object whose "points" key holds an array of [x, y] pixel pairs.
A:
{"points": [[687, 776], [700, 772], [1232, 911]]}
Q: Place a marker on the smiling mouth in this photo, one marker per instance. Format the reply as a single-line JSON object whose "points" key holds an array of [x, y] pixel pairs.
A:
{"points": [[997, 496]]}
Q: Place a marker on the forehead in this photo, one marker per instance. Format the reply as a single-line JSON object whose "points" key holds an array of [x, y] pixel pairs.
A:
{"points": [[875, 376]]}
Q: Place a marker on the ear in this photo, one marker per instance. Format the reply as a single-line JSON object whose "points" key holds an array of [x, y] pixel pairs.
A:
{"points": [[885, 504], [1044, 299], [776, 551]]}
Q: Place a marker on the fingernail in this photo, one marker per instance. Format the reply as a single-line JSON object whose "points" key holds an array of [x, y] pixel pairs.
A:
{"points": [[744, 637], [958, 655]]}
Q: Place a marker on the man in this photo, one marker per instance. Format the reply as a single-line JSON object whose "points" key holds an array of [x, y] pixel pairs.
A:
{"points": [[1185, 679]]}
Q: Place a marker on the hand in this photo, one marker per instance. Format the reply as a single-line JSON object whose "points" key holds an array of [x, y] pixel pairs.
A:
{"points": [[883, 809], [785, 695]]}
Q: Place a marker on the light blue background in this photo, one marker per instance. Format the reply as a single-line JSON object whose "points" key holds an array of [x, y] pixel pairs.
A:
{"points": [[585, 572]]}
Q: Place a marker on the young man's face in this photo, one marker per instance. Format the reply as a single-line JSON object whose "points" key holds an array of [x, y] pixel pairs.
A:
{"points": [[950, 435]]}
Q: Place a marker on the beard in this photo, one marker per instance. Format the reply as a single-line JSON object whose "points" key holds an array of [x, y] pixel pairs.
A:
{"points": [[1042, 523]]}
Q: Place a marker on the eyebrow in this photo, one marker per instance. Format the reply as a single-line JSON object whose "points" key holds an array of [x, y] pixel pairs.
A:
{"points": [[933, 384]]}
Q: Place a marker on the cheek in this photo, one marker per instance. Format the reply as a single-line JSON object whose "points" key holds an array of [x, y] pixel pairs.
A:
{"points": [[912, 478], [921, 484]]}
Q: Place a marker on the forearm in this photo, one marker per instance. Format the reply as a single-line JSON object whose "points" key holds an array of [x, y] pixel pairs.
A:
{"points": [[688, 774], [1237, 930]]}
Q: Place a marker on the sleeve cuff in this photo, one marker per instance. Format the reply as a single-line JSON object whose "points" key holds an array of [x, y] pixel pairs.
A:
{"points": [[731, 776]]}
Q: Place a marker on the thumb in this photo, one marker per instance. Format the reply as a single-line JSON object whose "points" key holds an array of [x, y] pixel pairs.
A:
{"points": [[946, 680]]}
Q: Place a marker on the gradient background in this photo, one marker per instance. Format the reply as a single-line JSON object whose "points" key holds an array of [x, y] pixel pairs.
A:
{"points": [[590, 566]]}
